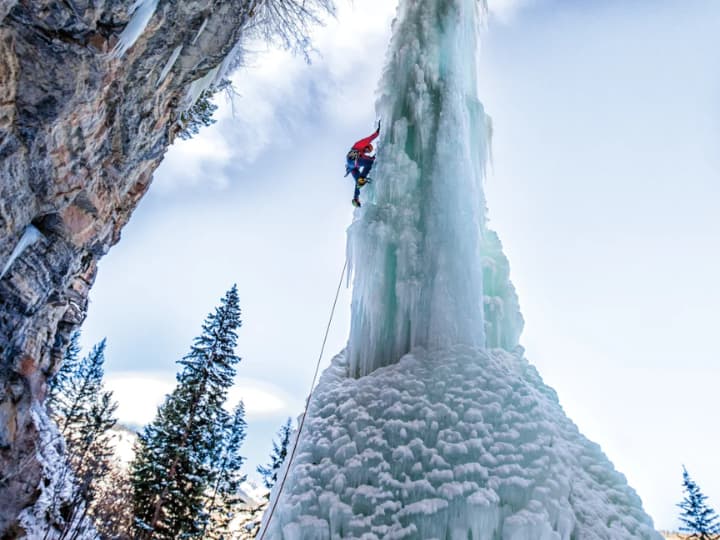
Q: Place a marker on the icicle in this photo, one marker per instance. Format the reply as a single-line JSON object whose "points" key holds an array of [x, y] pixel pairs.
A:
{"points": [[214, 76], [231, 62], [29, 237], [169, 64], [202, 27], [200, 85], [142, 11]]}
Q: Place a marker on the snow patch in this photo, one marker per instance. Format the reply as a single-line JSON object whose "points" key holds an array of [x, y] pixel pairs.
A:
{"points": [[55, 486]]}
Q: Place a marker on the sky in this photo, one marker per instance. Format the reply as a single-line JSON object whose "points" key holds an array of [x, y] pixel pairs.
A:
{"points": [[603, 189]]}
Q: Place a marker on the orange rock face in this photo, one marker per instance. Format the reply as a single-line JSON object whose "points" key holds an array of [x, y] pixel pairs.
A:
{"points": [[81, 132]]}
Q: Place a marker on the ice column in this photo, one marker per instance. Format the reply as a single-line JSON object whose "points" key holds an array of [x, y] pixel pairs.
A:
{"points": [[418, 245]]}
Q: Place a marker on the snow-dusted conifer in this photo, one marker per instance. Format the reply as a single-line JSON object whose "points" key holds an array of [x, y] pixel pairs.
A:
{"points": [[59, 384], [277, 458], [697, 517], [197, 116], [174, 466], [90, 453], [78, 390], [223, 500], [85, 413]]}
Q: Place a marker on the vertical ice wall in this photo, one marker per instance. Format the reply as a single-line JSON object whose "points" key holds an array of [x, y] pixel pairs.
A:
{"points": [[427, 272]]}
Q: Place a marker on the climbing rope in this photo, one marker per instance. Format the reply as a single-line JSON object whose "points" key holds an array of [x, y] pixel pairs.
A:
{"points": [[307, 405]]}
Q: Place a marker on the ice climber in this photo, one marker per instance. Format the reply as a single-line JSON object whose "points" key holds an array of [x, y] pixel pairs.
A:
{"points": [[359, 163]]}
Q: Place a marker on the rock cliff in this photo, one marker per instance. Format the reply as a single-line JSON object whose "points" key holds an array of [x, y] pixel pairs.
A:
{"points": [[84, 121]]}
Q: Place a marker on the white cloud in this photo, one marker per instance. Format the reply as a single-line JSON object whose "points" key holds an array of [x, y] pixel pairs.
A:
{"points": [[276, 91], [140, 393], [261, 399], [505, 10], [191, 162]]}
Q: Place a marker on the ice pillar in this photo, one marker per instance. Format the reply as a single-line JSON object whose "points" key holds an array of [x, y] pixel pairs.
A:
{"points": [[417, 245]]}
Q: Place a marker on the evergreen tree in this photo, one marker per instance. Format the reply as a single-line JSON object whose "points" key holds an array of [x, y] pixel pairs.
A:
{"points": [[85, 413], [197, 116], [225, 495], [77, 387], [698, 518], [174, 467], [91, 455], [59, 383], [277, 458]]}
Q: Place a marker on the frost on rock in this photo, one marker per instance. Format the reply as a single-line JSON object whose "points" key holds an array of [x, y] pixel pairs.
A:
{"points": [[430, 273], [56, 487], [461, 444], [142, 11]]}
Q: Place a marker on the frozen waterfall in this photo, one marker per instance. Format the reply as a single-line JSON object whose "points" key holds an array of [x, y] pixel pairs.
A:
{"points": [[428, 272], [432, 425]]}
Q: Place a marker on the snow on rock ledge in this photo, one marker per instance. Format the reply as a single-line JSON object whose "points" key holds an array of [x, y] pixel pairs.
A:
{"points": [[456, 444]]}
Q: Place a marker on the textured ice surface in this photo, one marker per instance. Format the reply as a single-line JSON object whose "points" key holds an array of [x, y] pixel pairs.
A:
{"points": [[461, 444], [429, 273]]}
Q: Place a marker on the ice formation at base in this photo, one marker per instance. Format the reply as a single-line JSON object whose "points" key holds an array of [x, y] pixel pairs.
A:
{"points": [[461, 444]]}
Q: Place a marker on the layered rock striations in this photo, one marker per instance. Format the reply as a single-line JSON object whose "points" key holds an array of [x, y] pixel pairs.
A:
{"points": [[82, 128]]}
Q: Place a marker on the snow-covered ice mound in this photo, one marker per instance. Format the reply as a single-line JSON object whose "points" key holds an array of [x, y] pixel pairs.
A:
{"points": [[461, 444]]}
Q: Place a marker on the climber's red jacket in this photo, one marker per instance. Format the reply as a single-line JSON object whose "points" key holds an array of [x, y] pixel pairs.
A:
{"points": [[362, 143]]}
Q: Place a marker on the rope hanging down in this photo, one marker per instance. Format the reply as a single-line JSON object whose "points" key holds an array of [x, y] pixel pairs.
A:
{"points": [[307, 405]]}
